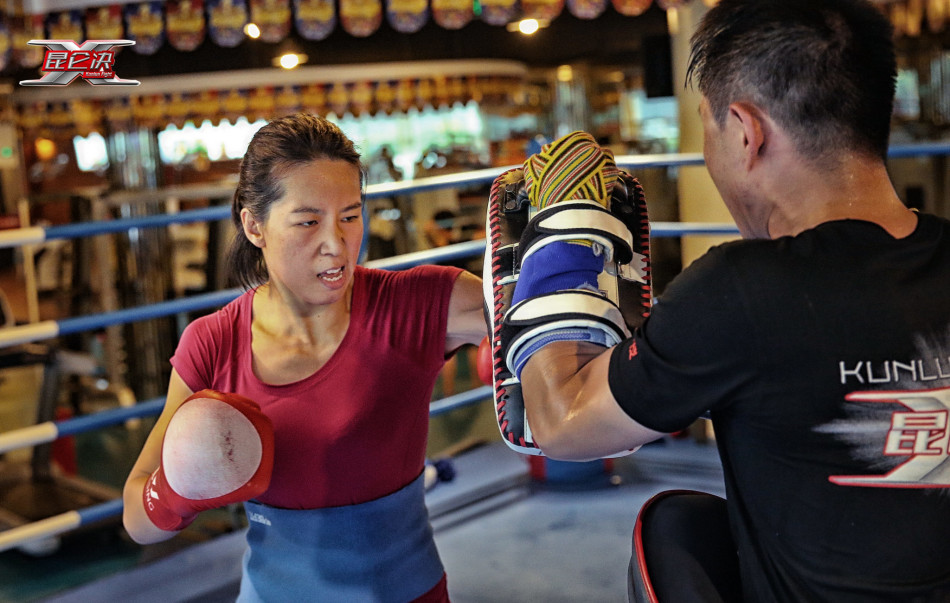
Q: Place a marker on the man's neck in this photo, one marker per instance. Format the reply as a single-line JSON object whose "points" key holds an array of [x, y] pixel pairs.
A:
{"points": [[856, 190]]}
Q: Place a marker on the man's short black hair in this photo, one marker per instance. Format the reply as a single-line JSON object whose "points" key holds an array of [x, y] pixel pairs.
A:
{"points": [[824, 70]]}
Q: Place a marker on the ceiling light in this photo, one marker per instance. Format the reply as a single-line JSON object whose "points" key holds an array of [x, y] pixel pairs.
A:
{"points": [[527, 26], [289, 60], [251, 30]]}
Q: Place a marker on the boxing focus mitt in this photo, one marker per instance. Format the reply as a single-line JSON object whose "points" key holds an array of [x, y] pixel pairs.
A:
{"points": [[569, 260], [218, 449]]}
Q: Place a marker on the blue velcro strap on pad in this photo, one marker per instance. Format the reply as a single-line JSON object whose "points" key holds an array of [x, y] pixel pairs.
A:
{"points": [[565, 334], [557, 266]]}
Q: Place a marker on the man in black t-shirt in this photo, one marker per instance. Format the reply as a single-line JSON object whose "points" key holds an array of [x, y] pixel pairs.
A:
{"points": [[820, 344]]}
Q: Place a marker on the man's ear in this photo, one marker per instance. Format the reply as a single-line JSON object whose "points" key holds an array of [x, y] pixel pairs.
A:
{"points": [[753, 127], [252, 228]]}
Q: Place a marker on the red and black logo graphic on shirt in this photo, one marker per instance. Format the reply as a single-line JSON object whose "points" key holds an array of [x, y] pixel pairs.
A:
{"points": [[918, 439]]}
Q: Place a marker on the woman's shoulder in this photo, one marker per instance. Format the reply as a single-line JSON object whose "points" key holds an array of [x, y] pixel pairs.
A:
{"points": [[423, 288], [225, 318], [415, 275]]}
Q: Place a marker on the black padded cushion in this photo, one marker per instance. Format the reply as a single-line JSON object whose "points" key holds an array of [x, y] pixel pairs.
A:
{"points": [[683, 550]]}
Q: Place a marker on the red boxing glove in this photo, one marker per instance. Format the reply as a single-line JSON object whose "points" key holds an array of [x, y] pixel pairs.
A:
{"points": [[218, 449], [483, 362]]}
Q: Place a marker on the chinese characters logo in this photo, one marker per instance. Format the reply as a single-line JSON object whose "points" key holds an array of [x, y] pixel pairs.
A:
{"points": [[93, 61], [921, 434]]}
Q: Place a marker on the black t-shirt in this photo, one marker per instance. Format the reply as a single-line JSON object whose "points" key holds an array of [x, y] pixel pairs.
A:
{"points": [[824, 360]]}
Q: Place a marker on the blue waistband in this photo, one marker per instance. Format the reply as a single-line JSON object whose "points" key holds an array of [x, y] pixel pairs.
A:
{"points": [[378, 551]]}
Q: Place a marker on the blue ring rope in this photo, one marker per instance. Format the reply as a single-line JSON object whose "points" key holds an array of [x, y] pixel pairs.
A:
{"points": [[88, 229], [186, 304], [105, 418], [146, 408], [485, 176], [92, 322], [106, 510]]}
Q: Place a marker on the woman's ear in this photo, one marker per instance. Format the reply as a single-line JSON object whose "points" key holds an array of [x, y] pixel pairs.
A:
{"points": [[252, 228]]}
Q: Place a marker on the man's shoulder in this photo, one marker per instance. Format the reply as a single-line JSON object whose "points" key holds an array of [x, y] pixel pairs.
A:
{"points": [[732, 253], [934, 221]]}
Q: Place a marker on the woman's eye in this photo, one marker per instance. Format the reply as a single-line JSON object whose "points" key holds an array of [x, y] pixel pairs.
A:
{"points": [[350, 218], [309, 223]]}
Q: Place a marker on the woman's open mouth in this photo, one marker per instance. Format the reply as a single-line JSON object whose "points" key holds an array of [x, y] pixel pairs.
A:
{"points": [[334, 275]]}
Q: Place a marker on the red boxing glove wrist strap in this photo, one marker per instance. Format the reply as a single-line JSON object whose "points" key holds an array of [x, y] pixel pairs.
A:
{"points": [[157, 510]]}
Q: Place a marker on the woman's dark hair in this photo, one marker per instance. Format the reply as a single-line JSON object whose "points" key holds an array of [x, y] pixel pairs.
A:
{"points": [[283, 143], [825, 70]]}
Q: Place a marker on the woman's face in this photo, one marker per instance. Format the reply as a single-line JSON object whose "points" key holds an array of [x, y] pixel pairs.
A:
{"points": [[311, 239]]}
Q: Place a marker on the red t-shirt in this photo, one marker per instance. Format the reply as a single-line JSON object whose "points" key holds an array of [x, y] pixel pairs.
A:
{"points": [[356, 429]]}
